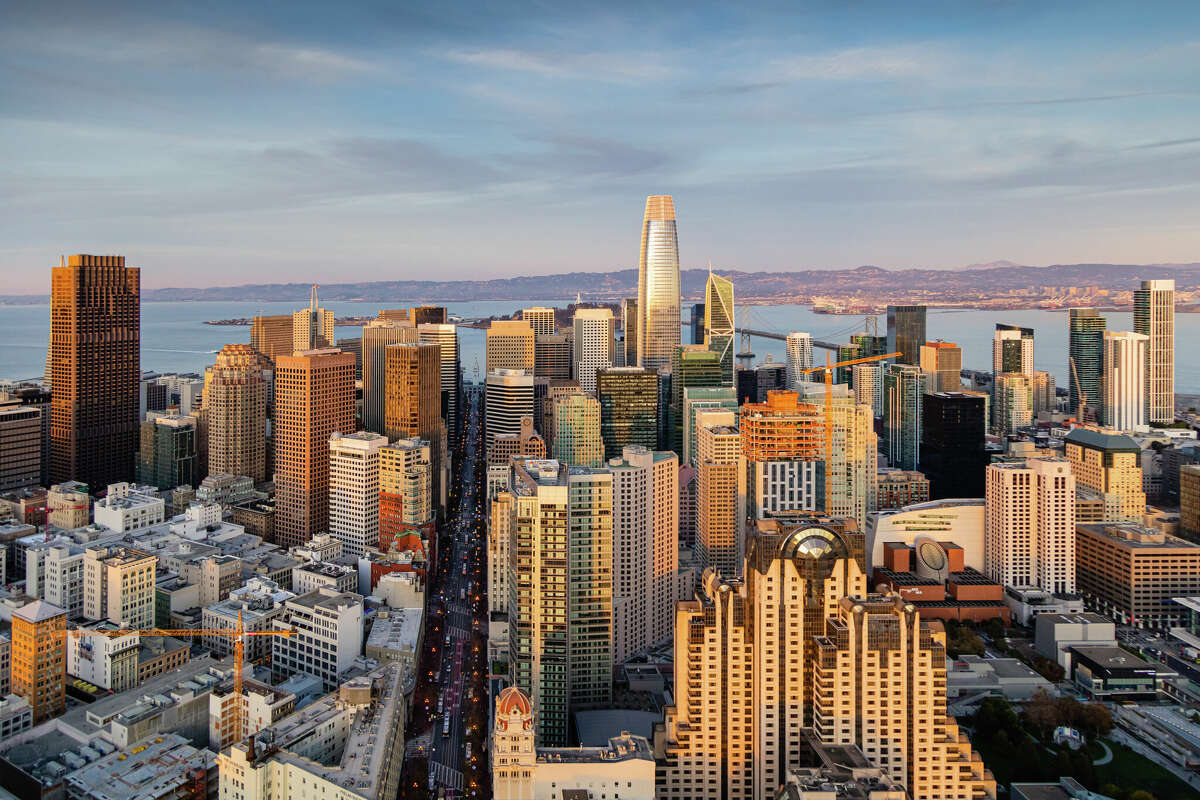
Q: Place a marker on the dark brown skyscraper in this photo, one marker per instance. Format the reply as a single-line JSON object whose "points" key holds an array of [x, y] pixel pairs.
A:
{"points": [[94, 367]]}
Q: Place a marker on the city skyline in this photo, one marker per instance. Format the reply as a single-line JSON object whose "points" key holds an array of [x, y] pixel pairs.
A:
{"points": [[791, 139]]}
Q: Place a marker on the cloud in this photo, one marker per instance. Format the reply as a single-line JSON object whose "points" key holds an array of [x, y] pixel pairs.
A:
{"points": [[863, 63], [601, 66]]}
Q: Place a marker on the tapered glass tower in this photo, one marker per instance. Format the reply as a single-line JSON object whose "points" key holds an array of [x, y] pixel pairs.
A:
{"points": [[718, 322], [658, 332]]}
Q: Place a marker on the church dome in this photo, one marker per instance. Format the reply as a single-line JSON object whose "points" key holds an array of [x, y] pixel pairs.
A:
{"points": [[514, 701]]}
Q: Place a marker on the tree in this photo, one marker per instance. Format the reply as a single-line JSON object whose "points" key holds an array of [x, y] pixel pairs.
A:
{"points": [[1043, 712], [1050, 670], [1142, 794], [1095, 719]]}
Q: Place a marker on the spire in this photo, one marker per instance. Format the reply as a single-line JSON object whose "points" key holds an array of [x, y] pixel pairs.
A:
{"points": [[312, 302]]}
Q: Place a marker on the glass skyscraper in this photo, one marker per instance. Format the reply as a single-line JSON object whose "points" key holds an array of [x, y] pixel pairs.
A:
{"points": [[718, 322], [904, 388], [906, 332], [1085, 346], [1154, 316], [658, 285], [628, 408]]}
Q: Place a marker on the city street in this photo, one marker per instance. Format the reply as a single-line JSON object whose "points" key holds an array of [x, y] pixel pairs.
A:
{"points": [[450, 696]]}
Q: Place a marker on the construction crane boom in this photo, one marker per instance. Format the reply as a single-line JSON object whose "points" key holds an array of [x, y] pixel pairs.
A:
{"points": [[828, 370]]}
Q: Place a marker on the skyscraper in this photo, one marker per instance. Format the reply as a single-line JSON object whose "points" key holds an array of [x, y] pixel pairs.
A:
{"points": [[413, 404], [560, 591], [1029, 524], [354, 490], [541, 319], [552, 356], [1012, 402], [94, 369], [376, 336], [850, 463], [235, 399], [691, 366], [1045, 399], [167, 456], [629, 326], [271, 335], [1154, 316], [906, 332], [867, 380], [720, 499], [445, 336], [658, 328], [509, 345], [697, 399], [697, 323], [719, 322], [645, 557], [953, 429], [1085, 333], [628, 408], [20, 447], [575, 440], [593, 345], [904, 387], [799, 357], [314, 398], [1109, 464], [783, 444], [508, 396], [312, 327], [943, 361], [1123, 381], [405, 492], [1012, 349]]}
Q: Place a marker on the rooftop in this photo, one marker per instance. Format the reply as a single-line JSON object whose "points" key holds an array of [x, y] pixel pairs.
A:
{"points": [[1133, 536], [1112, 658], [151, 769], [39, 611], [1098, 440], [396, 629]]}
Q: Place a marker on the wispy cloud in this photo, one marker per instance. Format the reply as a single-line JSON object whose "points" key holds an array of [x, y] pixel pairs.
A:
{"points": [[600, 66], [863, 63]]}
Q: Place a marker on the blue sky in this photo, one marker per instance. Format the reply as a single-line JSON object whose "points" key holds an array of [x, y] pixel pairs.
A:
{"points": [[223, 143]]}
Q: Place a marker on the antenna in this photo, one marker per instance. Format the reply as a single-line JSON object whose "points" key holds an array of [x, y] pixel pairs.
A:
{"points": [[312, 302]]}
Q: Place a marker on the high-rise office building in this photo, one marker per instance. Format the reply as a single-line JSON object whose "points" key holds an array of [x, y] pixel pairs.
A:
{"points": [[698, 399], [720, 499], [405, 492], [783, 444], [508, 396], [427, 315], [33, 397], [445, 336], [645, 551], [904, 388], [1045, 398], [1012, 402], [235, 398], [271, 335], [20, 446], [354, 490], [1108, 464], [906, 333], [628, 408], [560, 591], [1012, 349], [314, 398], [312, 327], [575, 438], [697, 324], [413, 404], [850, 463], [691, 366], [552, 356], [94, 369], [799, 357], [509, 345], [953, 432], [1085, 362], [629, 325], [1123, 380], [376, 336], [1154, 316], [167, 456], [593, 345], [719, 322], [768, 661], [942, 360], [867, 381], [658, 331], [39, 658], [1029, 525], [1133, 574], [541, 319]]}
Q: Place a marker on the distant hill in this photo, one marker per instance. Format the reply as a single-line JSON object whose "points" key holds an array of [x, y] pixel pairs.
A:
{"points": [[977, 280]]}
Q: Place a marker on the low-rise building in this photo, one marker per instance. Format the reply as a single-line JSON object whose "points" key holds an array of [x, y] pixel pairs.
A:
{"points": [[317, 575], [128, 507], [1113, 673], [1056, 634], [226, 490], [396, 635], [969, 679], [348, 745], [68, 505], [327, 635], [262, 707], [933, 576], [958, 521], [110, 662], [164, 768], [1028, 602], [896, 488], [158, 655], [256, 605], [16, 715], [118, 585]]}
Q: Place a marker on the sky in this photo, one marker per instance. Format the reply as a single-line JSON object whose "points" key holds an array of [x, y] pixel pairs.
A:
{"points": [[222, 143]]}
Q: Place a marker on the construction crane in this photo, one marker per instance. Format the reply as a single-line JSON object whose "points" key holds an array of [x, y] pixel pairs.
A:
{"points": [[828, 370], [239, 635], [1081, 412]]}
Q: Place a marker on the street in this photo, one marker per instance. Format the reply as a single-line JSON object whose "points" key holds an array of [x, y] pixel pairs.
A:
{"points": [[449, 703]]}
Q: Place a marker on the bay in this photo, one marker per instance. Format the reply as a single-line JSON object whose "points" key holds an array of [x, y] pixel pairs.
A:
{"points": [[175, 338]]}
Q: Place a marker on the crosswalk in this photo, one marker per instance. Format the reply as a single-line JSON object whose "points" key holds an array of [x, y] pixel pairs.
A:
{"points": [[445, 776]]}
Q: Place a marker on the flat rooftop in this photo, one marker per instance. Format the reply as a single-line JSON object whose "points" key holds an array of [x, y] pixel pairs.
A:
{"points": [[151, 769], [398, 631]]}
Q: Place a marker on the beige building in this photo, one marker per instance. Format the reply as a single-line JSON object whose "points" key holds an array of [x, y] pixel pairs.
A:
{"points": [[118, 585], [763, 662], [312, 327], [1154, 316], [354, 490], [1029, 525], [235, 402], [541, 319], [1189, 498], [593, 342], [314, 398], [720, 499], [575, 432], [527, 443], [1130, 573], [376, 336], [942, 360], [1109, 464], [68, 505], [348, 745], [1012, 402], [522, 771], [509, 345]]}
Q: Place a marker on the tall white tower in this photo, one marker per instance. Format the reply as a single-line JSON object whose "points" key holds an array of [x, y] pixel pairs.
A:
{"points": [[799, 356]]}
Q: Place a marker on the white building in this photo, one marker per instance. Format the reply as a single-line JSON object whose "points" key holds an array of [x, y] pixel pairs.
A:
{"points": [[799, 356], [958, 521], [593, 346], [321, 547], [1029, 525], [1154, 316], [508, 396], [118, 585], [867, 380], [354, 490], [396, 636], [128, 507], [54, 573], [262, 706], [1123, 379], [110, 662], [318, 574], [327, 635], [645, 557], [521, 771], [16, 715]]}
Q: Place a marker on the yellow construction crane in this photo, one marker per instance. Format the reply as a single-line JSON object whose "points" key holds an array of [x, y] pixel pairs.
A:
{"points": [[828, 370], [239, 649]]}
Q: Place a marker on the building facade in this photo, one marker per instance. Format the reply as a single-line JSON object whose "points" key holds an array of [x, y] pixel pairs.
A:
{"points": [[628, 408], [39, 659], [235, 399], [376, 336], [906, 333], [509, 345], [904, 388], [1123, 381], [1085, 348], [593, 345], [354, 490], [658, 331], [1154, 316], [1029, 536], [576, 431], [942, 360]]}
